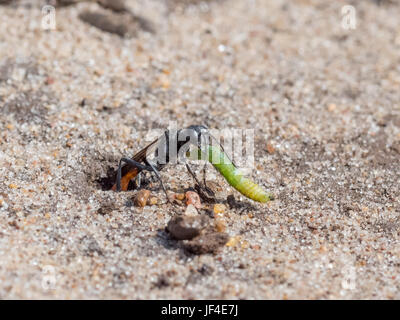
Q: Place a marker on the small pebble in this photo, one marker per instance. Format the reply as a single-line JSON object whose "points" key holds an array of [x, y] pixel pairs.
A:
{"points": [[193, 198], [270, 148], [245, 244], [122, 24], [49, 80], [115, 5], [191, 211], [220, 225], [3, 204], [331, 107], [179, 196], [184, 228], [141, 197], [396, 146], [233, 241], [206, 243], [153, 201], [231, 201], [219, 208]]}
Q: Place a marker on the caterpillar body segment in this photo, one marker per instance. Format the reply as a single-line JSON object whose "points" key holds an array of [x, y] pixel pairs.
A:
{"points": [[234, 177]]}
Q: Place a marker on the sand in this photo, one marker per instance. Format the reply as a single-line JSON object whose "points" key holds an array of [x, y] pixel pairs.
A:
{"points": [[324, 102]]}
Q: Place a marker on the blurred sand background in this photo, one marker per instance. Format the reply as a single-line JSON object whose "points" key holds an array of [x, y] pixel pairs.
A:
{"points": [[325, 105]]}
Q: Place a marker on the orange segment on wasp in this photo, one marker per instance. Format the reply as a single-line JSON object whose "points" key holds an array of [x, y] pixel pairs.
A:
{"points": [[131, 174]]}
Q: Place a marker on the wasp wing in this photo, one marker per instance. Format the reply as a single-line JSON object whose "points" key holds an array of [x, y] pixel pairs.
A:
{"points": [[129, 172], [141, 155]]}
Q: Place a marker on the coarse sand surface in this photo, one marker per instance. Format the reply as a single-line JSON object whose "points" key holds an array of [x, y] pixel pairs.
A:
{"points": [[324, 103]]}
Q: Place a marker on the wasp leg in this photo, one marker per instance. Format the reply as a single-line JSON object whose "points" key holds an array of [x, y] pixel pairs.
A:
{"points": [[159, 178], [204, 173], [209, 191], [132, 163], [205, 188]]}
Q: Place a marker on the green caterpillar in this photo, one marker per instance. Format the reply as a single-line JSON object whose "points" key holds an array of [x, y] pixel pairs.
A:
{"points": [[232, 175]]}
